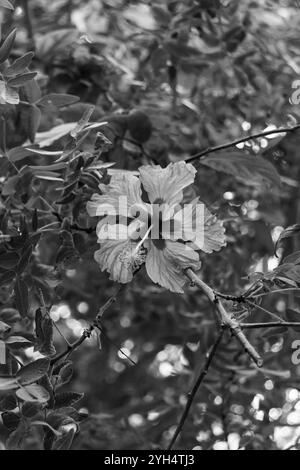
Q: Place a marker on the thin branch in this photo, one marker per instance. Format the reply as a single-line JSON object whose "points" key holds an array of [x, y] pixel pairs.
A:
{"points": [[88, 331], [259, 307], [195, 388], [240, 141], [225, 318], [273, 324], [277, 291]]}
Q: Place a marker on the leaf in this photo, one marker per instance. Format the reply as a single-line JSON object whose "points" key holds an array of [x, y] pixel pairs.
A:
{"points": [[8, 95], [67, 399], [7, 45], [32, 372], [21, 296], [33, 393], [30, 409], [65, 373], [9, 260], [19, 65], [250, 168], [20, 80], [44, 139], [293, 258], [57, 99], [8, 383], [83, 121], [25, 259], [6, 4], [8, 403], [33, 122], [65, 441], [16, 438], [290, 231], [4, 328], [10, 420], [18, 342]]}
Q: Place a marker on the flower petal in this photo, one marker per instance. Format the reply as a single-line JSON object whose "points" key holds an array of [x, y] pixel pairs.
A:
{"points": [[211, 236], [119, 196], [166, 184], [112, 258], [165, 266]]}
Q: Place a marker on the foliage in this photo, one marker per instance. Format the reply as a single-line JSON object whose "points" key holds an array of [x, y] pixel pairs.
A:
{"points": [[89, 89]]}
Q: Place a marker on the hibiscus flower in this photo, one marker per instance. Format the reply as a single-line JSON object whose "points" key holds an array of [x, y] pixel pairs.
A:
{"points": [[143, 221]]}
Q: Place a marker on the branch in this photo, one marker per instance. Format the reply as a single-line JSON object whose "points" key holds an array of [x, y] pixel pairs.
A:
{"points": [[195, 388], [88, 331], [273, 324], [240, 141], [225, 318]]}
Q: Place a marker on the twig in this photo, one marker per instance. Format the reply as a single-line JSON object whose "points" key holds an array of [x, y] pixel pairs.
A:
{"points": [[240, 141], [88, 331], [273, 324], [195, 388], [225, 318], [259, 307]]}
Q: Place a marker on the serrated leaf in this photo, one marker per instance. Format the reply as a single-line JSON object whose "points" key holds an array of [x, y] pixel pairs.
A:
{"points": [[65, 373], [32, 372], [7, 45], [251, 169], [33, 393]]}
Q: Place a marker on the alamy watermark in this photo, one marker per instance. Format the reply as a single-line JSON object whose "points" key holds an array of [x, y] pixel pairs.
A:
{"points": [[155, 221]]}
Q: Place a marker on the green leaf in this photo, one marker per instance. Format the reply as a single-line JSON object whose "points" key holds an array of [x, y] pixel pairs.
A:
{"points": [[30, 409], [20, 80], [291, 231], [7, 45], [25, 259], [9, 260], [65, 441], [57, 99], [10, 420], [33, 393], [32, 372], [251, 169], [16, 438], [21, 297], [6, 4], [67, 399], [8, 383], [19, 65], [8, 403]]}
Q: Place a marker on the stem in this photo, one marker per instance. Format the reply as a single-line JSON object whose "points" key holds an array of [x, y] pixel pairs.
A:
{"points": [[273, 324], [87, 332], [226, 320], [195, 388], [254, 305], [240, 141]]}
